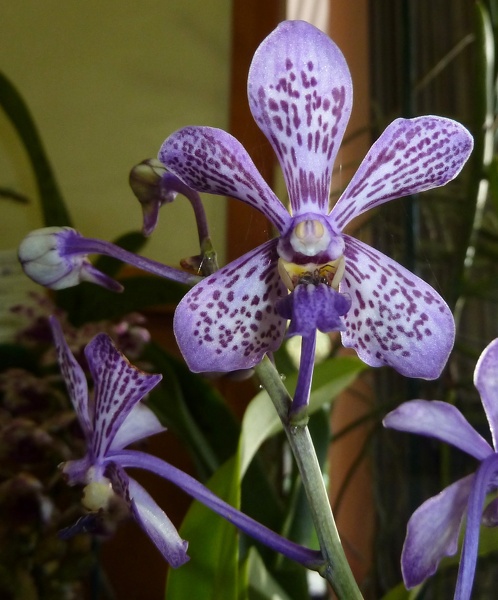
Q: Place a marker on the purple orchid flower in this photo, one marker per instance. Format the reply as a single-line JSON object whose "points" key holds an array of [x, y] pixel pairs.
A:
{"points": [[434, 527], [114, 420], [300, 94]]}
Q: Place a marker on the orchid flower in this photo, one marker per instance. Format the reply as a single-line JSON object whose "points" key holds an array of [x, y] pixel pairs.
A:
{"points": [[300, 94], [113, 421], [434, 527]]}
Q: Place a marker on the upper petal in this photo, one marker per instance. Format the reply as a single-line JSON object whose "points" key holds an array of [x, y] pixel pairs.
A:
{"points": [[411, 155], [229, 321], [432, 532], [119, 386], [486, 381], [211, 160], [300, 94], [74, 377], [439, 420], [396, 318]]}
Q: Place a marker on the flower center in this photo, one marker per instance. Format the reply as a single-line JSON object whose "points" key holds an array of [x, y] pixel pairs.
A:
{"points": [[310, 237], [329, 273], [97, 495]]}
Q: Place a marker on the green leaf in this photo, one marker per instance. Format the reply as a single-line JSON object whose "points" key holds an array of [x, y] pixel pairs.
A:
{"points": [[261, 420], [262, 586], [212, 572], [54, 210], [10, 194], [401, 593]]}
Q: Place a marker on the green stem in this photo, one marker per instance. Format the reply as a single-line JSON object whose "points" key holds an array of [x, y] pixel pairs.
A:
{"points": [[336, 570]]}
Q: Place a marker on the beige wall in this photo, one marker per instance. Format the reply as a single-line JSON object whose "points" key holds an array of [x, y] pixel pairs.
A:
{"points": [[106, 83]]}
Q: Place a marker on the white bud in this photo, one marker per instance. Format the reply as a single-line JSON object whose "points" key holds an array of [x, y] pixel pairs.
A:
{"points": [[56, 257], [43, 261]]}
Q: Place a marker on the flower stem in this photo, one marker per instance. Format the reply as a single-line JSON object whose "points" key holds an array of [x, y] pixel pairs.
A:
{"points": [[299, 406], [311, 559], [336, 570], [78, 244]]}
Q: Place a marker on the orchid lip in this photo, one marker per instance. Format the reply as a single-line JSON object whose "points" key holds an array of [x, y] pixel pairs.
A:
{"points": [[330, 273]]}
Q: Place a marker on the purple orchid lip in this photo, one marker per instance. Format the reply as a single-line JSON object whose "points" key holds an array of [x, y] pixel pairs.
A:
{"points": [[300, 94]]}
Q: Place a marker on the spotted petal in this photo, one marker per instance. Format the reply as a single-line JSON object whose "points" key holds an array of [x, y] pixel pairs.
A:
{"points": [[119, 386], [74, 377], [486, 381], [411, 156], [396, 318], [211, 160], [228, 321], [432, 532], [300, 94]]}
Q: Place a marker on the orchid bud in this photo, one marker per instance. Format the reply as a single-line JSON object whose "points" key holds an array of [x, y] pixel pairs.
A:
{"points": [[154, 186], [55, 257], [146, 181]]}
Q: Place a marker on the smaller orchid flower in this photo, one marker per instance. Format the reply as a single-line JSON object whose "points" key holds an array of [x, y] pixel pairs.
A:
{"points": [[115, 419], [434, 527]]}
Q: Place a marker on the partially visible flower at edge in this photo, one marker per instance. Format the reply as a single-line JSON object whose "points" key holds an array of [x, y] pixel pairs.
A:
{"points": [[115, 419], [433, 529]]}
